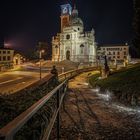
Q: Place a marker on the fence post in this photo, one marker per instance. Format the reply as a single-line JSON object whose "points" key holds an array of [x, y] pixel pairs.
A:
{"points": [[65, 76], [58, 115]]}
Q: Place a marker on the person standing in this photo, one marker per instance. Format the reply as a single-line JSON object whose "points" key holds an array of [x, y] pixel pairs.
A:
{"points": [[55, 73]]}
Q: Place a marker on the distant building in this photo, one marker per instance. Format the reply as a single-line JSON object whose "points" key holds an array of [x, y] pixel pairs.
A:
{"points": [[18, 59], [115, 52], [73, 43], [6, 58]]}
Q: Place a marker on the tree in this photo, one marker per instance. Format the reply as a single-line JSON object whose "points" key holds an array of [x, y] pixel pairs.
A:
{"points": [[32, 54], [43, 46]]}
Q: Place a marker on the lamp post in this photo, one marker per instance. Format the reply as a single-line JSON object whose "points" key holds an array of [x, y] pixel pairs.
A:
{"points": [[40, 56], [100, 55]]}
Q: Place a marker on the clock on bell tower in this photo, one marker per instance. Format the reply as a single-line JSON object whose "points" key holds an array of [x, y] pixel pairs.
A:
{"points": [[66, 11]]}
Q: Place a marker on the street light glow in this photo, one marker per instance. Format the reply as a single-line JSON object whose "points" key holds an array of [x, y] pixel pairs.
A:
{"points": [[42, 51]]}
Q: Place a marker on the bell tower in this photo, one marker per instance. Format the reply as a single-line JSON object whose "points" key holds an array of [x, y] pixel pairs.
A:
{"points": [[66, 11]]}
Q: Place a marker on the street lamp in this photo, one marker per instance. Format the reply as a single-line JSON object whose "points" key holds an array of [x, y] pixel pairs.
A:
{"points": [[100, 55], [40, 56]]}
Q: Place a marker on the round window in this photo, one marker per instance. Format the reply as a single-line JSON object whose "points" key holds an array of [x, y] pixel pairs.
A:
{"points": [[68, 36]]}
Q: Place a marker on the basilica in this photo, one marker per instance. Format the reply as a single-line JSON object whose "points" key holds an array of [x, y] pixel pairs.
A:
{"points": [[73, 43]]}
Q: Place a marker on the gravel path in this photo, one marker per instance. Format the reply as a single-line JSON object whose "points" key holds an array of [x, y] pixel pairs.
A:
{"points": [[89, 115]]}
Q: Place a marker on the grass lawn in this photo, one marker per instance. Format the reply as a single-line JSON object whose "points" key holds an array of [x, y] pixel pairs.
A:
{"points": [[124, 83]]}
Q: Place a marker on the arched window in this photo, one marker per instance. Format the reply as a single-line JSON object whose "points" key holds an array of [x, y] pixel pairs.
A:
{"points": [[56, 49], [68, 55], [82, 48]]}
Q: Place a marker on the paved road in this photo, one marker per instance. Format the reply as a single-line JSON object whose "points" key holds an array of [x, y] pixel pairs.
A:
{"points": [[91, 115], [11, 82]]}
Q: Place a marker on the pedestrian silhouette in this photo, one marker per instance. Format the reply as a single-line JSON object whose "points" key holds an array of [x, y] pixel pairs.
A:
{"points": [[55, 73]]}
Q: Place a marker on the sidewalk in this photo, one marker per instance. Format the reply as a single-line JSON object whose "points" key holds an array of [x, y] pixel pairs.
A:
{"points": [[87, 116]]}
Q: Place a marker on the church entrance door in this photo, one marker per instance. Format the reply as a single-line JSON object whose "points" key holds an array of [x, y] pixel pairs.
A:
{"points": [[68, 55]]}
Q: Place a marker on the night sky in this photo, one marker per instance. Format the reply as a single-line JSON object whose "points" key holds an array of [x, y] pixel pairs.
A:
{"points": [[24, 23]]}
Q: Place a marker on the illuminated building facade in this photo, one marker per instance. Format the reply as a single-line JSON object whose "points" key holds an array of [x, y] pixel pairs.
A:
{"points": [[115, 52], [6, 58], [73, 43]]}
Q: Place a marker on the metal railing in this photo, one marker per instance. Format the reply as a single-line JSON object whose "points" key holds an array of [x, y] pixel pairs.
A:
{"points": [[75, 72], [9, 131]]}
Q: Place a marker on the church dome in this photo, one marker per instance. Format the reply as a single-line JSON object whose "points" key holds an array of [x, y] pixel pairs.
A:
{"points": [[75, 12], [76, 21]]}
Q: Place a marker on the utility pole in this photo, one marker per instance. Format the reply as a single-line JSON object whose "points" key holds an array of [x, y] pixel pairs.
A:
{"points": [[40, 57]]}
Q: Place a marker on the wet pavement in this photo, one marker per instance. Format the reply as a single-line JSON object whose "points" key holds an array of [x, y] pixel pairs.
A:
{"points": [[13, 81], [91, 115]]}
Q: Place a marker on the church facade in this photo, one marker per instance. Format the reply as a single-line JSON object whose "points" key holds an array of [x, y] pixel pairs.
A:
{"points": [[73, 43]]}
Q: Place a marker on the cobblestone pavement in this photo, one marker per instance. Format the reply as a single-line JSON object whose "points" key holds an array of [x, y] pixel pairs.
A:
{"points": [[89, 115]]}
